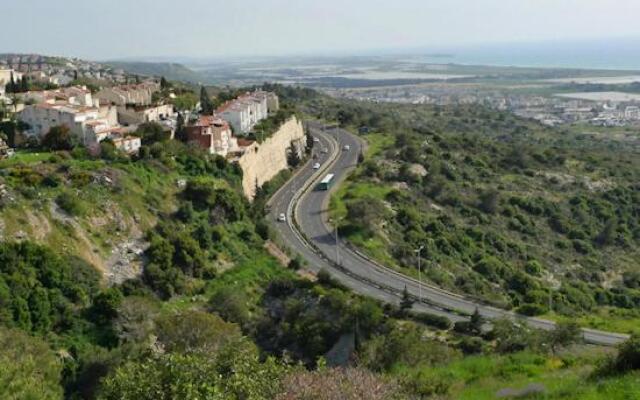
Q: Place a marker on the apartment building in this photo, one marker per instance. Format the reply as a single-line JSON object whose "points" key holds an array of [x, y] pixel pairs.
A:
{"points": [[244, 112], [138, 94]]}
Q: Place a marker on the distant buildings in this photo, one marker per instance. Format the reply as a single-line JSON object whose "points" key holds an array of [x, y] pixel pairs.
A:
{"points": [[247, 110], [632, 113], [140, 94]]}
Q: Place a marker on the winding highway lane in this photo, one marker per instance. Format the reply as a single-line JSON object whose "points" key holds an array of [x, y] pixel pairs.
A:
{"points": [[307, 233]]}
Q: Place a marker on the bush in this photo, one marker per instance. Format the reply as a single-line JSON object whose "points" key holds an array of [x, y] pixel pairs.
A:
{"points": [[58, 138], [436, 321], [531, 309], [628, 358], [70, 204]]}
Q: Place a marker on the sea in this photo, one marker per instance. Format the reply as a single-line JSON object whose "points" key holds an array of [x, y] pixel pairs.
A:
{"points": [[608, 54]]}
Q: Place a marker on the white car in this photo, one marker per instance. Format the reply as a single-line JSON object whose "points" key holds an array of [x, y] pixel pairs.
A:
{"points": [[316, 140], [316, 165], [325, 150], [346, 147], [282, 217]]}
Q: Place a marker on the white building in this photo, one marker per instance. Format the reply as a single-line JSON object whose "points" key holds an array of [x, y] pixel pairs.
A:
{"points": [[74, 95], [140, 114], [5, 76], [632, 113], [139, 94], [247, 110]]}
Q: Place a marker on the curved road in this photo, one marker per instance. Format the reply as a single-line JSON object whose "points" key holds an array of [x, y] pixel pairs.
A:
{"points": [[308, 234]]}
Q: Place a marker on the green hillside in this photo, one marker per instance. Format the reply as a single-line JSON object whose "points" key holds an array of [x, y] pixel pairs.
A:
{"points": [[171, 71], [508, 211]]}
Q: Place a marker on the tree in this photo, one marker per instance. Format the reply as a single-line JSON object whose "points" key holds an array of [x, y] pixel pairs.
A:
{"points": [[293, 159], [205, 101], [608, 234], [564, 334], [181, 134], [230, 304], [194, 331], [152, 132], [58, 138], [489, 201], [476, 321], [29, 369], [164, 84], [105, 305], [24, 84], [407, 302], [310, 142], [628, 358], [235, 372], [11, 87]]}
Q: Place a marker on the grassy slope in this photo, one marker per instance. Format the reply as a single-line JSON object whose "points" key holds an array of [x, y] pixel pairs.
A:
{"points": [[566, 376]]}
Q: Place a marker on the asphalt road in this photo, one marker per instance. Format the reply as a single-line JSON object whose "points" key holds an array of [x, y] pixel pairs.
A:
{"points": [[308, 233]]}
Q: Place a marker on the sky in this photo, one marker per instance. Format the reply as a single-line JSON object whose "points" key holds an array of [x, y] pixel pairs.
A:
{"points": [[114, 29]]}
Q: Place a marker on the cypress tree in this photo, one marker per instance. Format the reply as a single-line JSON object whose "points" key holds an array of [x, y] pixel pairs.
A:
{"points": [[181, 135], [11, 87], [205, 101], [24, 84]]}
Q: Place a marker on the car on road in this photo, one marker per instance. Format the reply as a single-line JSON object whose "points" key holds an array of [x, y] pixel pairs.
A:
{"points": [[316, 140], [282, 217], [346, 147], [316, 165], [324, 150]]}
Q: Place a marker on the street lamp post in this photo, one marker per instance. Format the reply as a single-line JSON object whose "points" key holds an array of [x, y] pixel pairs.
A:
{"points": [[337, 247], [419, 250]]}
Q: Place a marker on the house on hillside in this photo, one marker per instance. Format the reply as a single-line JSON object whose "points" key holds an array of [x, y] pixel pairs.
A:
{"points": [[212, 134]]}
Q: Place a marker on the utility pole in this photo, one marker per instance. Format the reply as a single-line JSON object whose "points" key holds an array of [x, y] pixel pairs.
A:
{"points": [[419, 250]]}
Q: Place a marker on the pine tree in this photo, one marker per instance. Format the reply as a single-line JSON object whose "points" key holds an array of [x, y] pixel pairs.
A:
{"points": [[406, 303]]}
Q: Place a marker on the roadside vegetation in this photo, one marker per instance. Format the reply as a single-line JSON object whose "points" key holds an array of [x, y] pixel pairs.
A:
{"points": [[521, 216], [210, 314]]}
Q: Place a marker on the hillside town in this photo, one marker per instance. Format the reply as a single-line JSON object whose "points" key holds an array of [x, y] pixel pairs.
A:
{"points": [[610, 109], [115, 112]]}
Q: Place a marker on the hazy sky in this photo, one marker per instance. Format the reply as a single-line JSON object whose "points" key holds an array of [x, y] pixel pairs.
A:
{"points": [[102, 29]]}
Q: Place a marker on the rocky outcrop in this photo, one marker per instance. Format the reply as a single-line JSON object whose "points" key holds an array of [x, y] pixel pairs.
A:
{"points": [[262, 161]]}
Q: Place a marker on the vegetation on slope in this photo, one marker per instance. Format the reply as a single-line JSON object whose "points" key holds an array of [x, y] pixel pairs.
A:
{"points": [[214, 316], [508, 211]]}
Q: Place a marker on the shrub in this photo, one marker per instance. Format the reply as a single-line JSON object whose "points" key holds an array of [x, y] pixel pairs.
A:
{"points": [[70, 204], [436, 321]]}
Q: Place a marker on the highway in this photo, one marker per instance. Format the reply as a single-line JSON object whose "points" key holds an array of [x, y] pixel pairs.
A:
{"points": [[307, 232]]}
